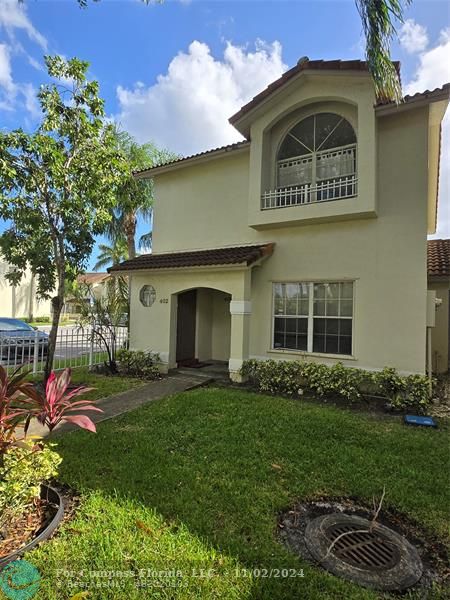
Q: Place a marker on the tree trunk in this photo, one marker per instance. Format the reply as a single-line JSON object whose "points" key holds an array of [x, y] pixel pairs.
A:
{"points": [[130, 232], [57, 306], [129, 226]]}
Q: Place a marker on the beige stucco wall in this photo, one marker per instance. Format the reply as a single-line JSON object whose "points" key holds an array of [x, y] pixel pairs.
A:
{"points": [[20, 301], [440, 333], [206, 205], [154, 328]]}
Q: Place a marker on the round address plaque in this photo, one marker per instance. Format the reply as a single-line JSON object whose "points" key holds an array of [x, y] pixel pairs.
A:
{"points": [[147, 295]]}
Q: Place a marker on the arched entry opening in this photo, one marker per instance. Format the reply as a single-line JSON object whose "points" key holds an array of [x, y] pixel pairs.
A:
{"points": [[203, 330]]}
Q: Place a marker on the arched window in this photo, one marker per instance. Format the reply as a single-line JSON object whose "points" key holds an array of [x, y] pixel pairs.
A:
{"points": [[316, 161]]}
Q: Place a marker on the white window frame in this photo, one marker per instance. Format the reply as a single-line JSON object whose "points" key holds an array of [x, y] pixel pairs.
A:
{"points": [[311, 317]]}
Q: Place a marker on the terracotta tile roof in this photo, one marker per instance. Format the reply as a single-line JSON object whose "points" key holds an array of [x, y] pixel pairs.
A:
{"points": [[443, 91], [438, 254], [92, 278], [220, 150], [303, 65], [237, 255]]}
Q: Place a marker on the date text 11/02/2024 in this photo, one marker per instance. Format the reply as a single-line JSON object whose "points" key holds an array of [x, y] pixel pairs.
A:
{"points": [[256, 572]]}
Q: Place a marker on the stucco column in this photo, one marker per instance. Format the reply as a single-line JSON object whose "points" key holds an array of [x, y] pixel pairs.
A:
{"points": [[240, 333]]}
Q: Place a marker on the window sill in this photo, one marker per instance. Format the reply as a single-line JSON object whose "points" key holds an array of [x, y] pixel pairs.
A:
{"points": [[315, 354]]}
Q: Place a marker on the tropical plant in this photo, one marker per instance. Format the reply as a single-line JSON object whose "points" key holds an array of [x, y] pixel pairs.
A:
{"points": [[57, 404], [25, 463], [104, 315], [111, 255], [11, 421], [20, 402], [135, 195], [378, 19], [58, 185]]}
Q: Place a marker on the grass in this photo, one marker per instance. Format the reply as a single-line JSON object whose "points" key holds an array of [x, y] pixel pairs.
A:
{"points": [[187, 483]]}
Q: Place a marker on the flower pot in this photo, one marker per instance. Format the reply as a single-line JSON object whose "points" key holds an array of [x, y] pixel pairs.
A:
{"points": [[52, 496]]}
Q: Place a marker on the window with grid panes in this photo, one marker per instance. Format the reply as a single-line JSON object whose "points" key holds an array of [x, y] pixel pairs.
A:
{"points": [[313, 317]]}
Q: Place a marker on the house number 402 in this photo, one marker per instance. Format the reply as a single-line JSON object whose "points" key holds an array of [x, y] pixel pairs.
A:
{"points": [[164, 301]]}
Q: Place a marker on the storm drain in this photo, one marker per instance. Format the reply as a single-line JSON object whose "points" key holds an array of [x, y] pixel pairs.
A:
{"points": [[373, 556]]}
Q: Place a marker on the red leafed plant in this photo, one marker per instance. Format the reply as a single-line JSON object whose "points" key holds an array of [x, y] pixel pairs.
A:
{"points": [[57, 404], [20, 402]]}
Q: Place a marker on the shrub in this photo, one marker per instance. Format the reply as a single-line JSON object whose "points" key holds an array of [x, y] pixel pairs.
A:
{"points": [[336, 380], [138, 363], [292, 377], [42, 320], [24, 467], [411, 391]]}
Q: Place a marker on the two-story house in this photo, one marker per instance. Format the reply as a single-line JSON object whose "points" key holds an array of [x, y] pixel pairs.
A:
{"points": [[309, 239]]}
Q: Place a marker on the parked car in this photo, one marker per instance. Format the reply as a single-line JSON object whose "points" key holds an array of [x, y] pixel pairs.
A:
{"points": [[18, 340]]}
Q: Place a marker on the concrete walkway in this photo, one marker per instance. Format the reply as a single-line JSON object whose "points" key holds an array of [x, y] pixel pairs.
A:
{"points": [[119, 404]]}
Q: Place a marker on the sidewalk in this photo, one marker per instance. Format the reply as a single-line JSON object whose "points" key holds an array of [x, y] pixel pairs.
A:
{"points": [[119, 404]]}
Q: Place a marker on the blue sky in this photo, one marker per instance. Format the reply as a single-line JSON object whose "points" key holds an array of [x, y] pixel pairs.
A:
{"points": [[174, 72]]}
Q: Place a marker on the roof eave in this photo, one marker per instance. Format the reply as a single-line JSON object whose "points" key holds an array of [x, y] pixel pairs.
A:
{"points": [[410, 103], [193, 160], [247, 114], [220, 267]]}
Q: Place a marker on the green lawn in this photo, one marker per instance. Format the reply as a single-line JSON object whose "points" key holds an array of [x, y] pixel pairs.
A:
{"points": [[187, 483]]}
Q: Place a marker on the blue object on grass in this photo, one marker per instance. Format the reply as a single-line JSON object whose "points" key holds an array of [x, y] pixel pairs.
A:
{"points": [[416, 420]]}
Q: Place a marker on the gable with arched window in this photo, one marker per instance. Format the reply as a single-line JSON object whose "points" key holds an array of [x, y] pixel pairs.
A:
{"points": [[316, 162]]}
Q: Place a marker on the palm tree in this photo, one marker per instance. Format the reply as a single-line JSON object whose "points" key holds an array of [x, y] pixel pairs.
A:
{"points": [[135, 197], [111, 255], [378, 19]]}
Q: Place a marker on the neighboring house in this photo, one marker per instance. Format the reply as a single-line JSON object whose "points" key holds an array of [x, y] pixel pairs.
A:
{"points": [[96, 288], [20, 301], [309, 239], [439, 281]]}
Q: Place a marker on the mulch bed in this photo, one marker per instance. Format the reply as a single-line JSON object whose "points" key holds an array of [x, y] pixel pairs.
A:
{"points": [[21, 530], [432, 550]]}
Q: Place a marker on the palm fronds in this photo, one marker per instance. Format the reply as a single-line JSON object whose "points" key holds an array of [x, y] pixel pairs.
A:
{"points": [[378, 18]]}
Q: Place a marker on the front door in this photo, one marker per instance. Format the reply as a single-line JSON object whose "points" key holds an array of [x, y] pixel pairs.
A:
{"points": [[186, 319]]}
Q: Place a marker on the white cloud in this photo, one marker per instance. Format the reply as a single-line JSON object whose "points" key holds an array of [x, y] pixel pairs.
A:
{"points": [[13, 94], [31, 103], [413, 37], [13, 16], [433, 71], [6, 80], [434, 66], [187, 109]]}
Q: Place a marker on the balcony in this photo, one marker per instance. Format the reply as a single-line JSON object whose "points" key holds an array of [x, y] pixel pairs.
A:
{"points": [[314, 178]]}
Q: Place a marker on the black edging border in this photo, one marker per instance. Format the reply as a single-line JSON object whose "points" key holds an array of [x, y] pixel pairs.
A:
{"points": [[50, 494]]}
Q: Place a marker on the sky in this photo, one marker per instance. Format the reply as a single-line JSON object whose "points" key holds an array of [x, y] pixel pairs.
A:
{"points": [[173, 72]]}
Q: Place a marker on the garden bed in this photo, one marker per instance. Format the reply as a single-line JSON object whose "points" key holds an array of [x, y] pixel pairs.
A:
{"points": [[31, 527]]}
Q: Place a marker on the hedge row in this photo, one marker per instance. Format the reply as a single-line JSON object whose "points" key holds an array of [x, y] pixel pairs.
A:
{"points": [[294, 378]]}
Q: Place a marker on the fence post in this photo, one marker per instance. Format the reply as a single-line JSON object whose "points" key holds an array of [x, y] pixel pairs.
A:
{"points": [[91, 349], [36, 352]]}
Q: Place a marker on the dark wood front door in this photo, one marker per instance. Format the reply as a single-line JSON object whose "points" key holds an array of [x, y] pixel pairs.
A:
{"points": [[186, 318]]}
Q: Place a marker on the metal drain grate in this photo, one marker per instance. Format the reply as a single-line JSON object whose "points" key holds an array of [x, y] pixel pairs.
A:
{"points": [[366, 550], [377, 557]]}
